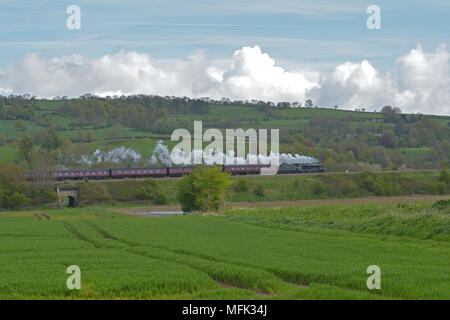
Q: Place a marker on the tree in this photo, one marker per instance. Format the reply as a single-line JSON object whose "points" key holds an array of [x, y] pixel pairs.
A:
{"points": [[389, 139], [51, 141], [11, 182], [89, 136], [26, 148], [20, 125], [80, 137], [391, 114], [444, 177], [2, 110], [204, 189], [44, 164], [116, 132]]}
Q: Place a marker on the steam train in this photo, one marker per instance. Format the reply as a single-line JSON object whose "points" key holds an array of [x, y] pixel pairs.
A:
{"points": [[99, 174]]}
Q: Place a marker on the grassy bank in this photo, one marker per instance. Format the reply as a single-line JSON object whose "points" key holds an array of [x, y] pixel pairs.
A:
{"points": [[280, 188]]}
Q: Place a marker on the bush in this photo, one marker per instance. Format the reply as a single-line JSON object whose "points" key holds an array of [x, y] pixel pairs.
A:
{"points": [[160, 197], [240, 186], [95, 192], [143, 193], [319, 188], [442, 204], [17, 201], [378, 189], [39, 196], [444, 177], [259, 191], [442, 188], [204, 189]]}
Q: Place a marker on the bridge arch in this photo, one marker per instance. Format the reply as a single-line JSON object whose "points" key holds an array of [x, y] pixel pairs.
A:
{"points": [[73, 194]]}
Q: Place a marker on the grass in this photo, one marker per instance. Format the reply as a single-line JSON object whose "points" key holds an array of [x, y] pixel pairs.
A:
{"points": [[318, 252], [414, 154], [7, 154]]}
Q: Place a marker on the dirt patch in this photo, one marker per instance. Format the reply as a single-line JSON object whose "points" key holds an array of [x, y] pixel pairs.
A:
{"points": [[148, 209]]}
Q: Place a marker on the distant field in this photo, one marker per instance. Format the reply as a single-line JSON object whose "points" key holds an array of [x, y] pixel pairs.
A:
{"points": [[7, 154], [318, 252], [415, 153]]}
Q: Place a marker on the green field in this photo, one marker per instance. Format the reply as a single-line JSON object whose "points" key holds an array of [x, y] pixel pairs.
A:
{"points": [[7, 154], [318, 252]]}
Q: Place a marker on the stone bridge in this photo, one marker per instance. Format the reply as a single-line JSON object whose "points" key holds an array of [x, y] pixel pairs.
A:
{"points": [[69, 192]]}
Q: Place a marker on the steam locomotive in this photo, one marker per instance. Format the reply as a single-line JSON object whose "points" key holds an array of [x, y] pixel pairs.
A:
{"points": [[99, 174]]}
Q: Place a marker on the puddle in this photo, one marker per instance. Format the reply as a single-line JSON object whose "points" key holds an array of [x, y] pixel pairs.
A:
{"points": [[160, 213]]}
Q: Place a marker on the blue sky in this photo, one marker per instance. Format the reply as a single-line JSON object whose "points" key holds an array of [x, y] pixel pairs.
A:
{"points": [[319, 34]]}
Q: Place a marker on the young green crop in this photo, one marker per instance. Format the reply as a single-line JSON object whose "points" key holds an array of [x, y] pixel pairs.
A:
{"points": [[319, 252]]}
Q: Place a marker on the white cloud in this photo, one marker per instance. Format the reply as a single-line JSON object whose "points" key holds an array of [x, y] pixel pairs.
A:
{"points": [[422, 83]]}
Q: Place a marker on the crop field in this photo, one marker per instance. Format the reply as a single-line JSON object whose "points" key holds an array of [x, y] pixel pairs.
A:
{"points": [[308, 252]]}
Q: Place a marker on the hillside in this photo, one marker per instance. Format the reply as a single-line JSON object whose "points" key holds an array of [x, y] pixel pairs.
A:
{"points": [[343, 140]]}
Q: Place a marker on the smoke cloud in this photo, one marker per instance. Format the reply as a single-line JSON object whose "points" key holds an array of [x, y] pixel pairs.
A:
{"points": [[119, 155]]}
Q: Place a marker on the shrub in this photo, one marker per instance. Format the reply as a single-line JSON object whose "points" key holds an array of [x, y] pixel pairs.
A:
{"points": [[444, 177], [240, 186], [259, 191], [319, 188], [204, 189], [143, 193], [95, 192], [40, 196], [378, 189], [160, 197], [17, 201], [442, 204], [442, 188]]}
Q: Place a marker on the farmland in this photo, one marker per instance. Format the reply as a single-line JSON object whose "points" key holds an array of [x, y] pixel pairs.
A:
{"points": [[303, 252]]}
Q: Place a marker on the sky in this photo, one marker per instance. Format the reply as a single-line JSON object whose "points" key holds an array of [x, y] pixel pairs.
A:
{"points": [[281, 50]]}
